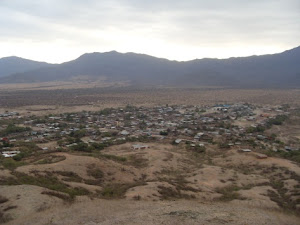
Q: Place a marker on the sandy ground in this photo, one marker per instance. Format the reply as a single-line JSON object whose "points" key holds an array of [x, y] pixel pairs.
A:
{"points": [[55, 85], [161, 166], [162, 212], [26, 200], [289, 132], [45, 101]]}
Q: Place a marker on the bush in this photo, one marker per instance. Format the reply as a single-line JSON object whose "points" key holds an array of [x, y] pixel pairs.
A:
{"points": [[259, 128], [19, 156], [58, 195], [229, 193], [82, 147], [11, 164], [164, 133], [114, 157], [3, 199], [11, 128], [278, 120], [78, 134], [117, 190], [200, 149], [96, 173], [223, 145], [98, 146], [49, 182]]}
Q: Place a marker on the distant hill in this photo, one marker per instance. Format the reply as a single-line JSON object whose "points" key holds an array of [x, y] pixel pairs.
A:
{"points": [[276, 70], [12, 65]]}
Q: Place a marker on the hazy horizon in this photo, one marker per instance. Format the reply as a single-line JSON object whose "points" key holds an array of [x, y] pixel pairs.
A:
{"points": [[145, 54], [59, 31]]}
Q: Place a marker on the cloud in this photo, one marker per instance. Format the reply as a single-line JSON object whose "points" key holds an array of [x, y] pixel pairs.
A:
{"points": [[160, 28]]}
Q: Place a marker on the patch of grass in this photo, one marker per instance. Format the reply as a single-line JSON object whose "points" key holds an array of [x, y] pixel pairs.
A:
{"points": [[12, 128], [4, 218], [114, 157], [281, 197], [49, 182], [50, 159], [8, 181], [96, 173], [11, 164], [229, 193], [137, 161], [114, 191], [292, 155], [92, 182], [168, 193], [183, 213], [117, 190], [69, 176], [137, 197], [177, 179], [3, 199], [64, 197], [168, 156], [10, 207]]}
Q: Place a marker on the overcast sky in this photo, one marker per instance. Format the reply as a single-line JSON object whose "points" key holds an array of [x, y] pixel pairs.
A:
{"points": [[62, 30]]}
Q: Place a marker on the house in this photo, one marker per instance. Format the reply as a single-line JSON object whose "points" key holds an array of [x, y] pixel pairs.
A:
{"points": [[261, 156], [9, 154], [289, 148], [139, 146], [244, 150], [177, 141], [124, 132]]}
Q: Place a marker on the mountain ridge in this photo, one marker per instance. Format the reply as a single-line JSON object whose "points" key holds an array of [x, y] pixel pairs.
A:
{"points": [[14, 64], [280, 69]]}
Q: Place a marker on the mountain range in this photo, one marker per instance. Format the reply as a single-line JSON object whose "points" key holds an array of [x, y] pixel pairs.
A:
{"points": [[275, 70]]}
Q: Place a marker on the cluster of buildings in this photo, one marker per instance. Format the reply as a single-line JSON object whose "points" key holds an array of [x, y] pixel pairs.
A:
{"points": [[193, 125]]}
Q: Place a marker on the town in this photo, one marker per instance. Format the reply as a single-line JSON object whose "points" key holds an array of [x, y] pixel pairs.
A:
{"points": [[216, 154], [236, 125]]}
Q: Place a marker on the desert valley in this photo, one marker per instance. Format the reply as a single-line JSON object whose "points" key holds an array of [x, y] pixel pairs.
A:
{"points": [[194, 120], [154, 156]]}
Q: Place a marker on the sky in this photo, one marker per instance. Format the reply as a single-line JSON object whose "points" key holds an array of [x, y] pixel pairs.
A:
{"points": [[56, 31]]}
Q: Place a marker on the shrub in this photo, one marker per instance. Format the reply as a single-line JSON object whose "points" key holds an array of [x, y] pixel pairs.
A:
{"points": [[20, 156], [83, 147], [12, 128], [58, 195], [114, 157], [164, 133], [3, 199], [11, 164], [117, 190], [200, 149], [49, 182], [229, 193], [96, 173], [98, 146]]}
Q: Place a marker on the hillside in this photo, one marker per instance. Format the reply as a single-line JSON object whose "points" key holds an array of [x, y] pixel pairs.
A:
{"points": [[12, 65], [277, 70], [165, 164]]}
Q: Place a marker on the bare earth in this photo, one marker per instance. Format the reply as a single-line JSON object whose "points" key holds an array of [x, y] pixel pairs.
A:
{"points": [[159, 167], [92, 212], [56, 99], [165, 184]]}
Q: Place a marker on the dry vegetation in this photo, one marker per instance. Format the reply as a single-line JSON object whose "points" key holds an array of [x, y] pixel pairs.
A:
{"points": [[163, 172], [44, 101], [165, 184]]}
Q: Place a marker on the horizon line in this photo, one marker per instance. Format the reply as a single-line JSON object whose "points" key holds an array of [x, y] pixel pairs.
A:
{"points": [[137, 53]]}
